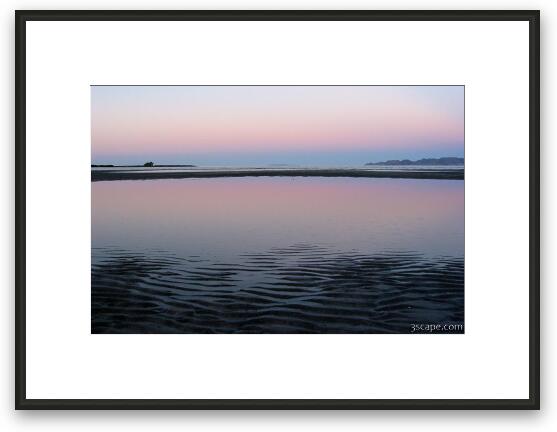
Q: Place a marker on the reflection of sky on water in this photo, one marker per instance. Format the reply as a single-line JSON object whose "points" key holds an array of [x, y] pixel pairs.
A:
{"points": [[224, 217]]}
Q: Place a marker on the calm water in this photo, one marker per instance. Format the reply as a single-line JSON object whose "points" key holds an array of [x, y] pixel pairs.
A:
{"points": [[282, 168], [276, 255]]}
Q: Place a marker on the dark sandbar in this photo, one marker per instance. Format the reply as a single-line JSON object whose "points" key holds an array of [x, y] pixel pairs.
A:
{"points": [[454, 174]]}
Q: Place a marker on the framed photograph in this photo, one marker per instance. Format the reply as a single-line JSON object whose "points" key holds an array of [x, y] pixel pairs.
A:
{"points": [[277, 209]]}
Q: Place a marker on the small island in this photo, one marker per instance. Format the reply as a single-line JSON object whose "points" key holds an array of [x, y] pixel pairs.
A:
{"points": [[145, 165]]}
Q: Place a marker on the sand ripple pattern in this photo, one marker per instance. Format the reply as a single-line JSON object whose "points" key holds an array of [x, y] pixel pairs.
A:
{"points": [[300, 289]]}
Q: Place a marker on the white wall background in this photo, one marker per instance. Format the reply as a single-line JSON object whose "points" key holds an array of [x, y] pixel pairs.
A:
{"points": [[256, 421]]}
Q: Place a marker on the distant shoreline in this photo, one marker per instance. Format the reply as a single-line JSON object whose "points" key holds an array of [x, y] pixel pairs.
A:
{"points": [[442, 161], [438, 174], [141, 166]]}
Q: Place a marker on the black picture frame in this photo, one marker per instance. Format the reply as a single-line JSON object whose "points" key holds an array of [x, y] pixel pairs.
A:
{"points": [[531, 16]]}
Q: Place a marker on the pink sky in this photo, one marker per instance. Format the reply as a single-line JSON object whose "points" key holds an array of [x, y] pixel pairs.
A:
{"points": [[275, 124]]}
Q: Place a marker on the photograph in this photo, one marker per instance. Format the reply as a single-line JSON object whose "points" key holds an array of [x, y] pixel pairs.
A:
{"points": [[316, 218], [277, 209]]}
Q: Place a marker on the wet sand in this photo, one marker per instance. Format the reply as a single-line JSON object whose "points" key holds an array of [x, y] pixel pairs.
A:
{"points": [[453, 174], [276, 255], [303, 288]]}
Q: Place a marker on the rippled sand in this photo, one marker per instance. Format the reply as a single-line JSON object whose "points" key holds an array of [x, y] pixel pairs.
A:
{"points": [[304, 288]]}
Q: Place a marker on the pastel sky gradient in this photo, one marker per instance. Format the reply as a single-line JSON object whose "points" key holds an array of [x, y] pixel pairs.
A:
{"points": [[262, 125]]}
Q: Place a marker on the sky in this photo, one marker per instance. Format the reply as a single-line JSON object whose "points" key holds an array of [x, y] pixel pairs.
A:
{"points": [[268, 125]]}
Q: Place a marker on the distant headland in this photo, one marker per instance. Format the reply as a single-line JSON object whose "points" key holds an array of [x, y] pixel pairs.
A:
{"points": [[429, 161]]}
